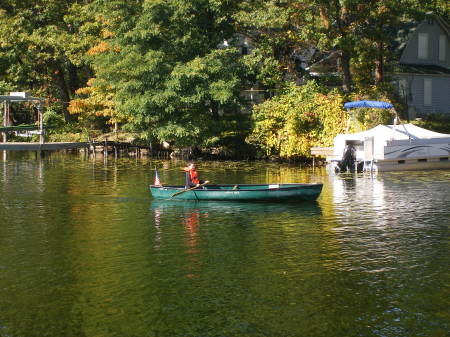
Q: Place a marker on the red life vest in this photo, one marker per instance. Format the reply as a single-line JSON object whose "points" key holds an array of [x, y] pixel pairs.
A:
{"points": [[193, 175]]}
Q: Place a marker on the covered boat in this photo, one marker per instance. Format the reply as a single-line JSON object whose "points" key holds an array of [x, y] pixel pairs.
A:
{"points": [[244, 192], [389, 147]]}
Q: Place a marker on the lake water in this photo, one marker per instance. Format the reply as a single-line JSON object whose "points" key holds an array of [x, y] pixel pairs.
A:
{"points": [[85, 251]]}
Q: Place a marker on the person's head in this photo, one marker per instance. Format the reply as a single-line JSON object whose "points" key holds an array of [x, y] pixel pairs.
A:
{"points": [[191, 166]]}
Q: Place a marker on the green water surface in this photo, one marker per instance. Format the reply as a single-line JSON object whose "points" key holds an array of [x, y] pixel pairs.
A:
{"points": [[85, 251]]}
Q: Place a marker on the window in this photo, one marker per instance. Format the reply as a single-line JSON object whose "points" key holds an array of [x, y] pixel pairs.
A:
{"points": [[427, 91], [422, 160], [401, 161], [423, 46], [443, 159], [402, 88], [442, 47]]}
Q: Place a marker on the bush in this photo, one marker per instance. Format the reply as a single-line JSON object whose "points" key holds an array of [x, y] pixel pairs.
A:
{"points": [[306, 116], [434, 122], [369, 118], [301, 117]]}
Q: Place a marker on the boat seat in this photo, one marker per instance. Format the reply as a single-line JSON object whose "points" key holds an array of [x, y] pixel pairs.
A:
{"points": [[236, 187]]}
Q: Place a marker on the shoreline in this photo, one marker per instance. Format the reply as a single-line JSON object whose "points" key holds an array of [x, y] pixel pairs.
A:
{"points": [[127, 149]]}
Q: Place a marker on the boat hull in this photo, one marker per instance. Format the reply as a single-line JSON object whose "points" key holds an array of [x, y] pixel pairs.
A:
{"points": [[276, 192], [412, 164], [402, 164], [391, 148]]}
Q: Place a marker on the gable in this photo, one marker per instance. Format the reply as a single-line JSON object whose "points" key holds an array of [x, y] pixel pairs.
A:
{"points": [[444, 25], [429, 44]]}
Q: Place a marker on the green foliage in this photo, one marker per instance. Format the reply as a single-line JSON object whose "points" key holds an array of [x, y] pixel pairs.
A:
{"points": [[161, 69], [265, 67], [272, 30], [170, 80], [310, 115], [53, 120], [42, 47], [369, 118], [291, 123], [436, 122], [58, 130]]}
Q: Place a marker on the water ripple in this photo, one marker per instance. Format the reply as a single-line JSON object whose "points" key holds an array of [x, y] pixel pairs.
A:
{"points": [[85, 251]]}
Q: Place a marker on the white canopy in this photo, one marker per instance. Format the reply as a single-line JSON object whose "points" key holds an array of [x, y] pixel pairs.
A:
{"points": [[392, 135], [392, 132]]}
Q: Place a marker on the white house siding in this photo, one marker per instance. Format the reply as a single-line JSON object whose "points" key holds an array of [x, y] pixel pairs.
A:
{"points": [[427, 91], [434, 31], [433, 34], [446, 62], [443, 43], [440, 94]]}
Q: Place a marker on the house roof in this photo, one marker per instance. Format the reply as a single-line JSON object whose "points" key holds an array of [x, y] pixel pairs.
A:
{"points": [[404, 32], [444, 25], [401, 35], [424, 69]]}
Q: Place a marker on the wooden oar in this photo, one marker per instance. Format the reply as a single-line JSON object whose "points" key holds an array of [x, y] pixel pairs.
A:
{"points": [[190, 189]]}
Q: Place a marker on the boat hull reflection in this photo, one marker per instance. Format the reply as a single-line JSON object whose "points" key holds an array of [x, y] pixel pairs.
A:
{"points": [[309, 208]]}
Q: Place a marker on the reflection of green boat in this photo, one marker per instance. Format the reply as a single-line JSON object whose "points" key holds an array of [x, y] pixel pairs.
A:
{"points": [[235, 207], [246, 192]]}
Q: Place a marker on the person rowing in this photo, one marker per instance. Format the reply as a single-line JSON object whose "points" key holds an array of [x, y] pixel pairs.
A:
{"points": [[192, 179]]}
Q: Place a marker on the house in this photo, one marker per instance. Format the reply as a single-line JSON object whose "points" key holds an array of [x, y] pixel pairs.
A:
{"points": [[423, 72]]}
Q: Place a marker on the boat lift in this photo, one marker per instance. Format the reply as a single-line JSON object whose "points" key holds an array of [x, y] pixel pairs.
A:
{"points": [[21, 97]]}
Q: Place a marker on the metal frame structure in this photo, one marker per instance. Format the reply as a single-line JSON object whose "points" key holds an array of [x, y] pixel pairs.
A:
{"points": [[22, 97]]}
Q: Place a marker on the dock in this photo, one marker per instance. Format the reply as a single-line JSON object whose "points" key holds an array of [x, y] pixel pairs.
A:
{"points": [[91, 148], [38, 128], [321, 152], [42, 147]]}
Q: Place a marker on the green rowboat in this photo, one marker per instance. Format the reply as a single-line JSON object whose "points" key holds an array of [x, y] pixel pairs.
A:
{"points": [[245, 192]]}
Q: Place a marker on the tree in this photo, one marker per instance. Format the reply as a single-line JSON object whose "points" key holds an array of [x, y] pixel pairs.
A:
{"points": [[41, 48], [268, 26], [164, 66]]}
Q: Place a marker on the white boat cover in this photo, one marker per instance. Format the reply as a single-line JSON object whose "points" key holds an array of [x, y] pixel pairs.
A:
{"points": [[391, 135], [392, 132]]}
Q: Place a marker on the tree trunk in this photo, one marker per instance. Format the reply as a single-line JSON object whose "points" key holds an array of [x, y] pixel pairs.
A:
{"points": [[379, 64], [346, 75], [73, 77], [341, 17], [214, 108], [65, 95]]}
